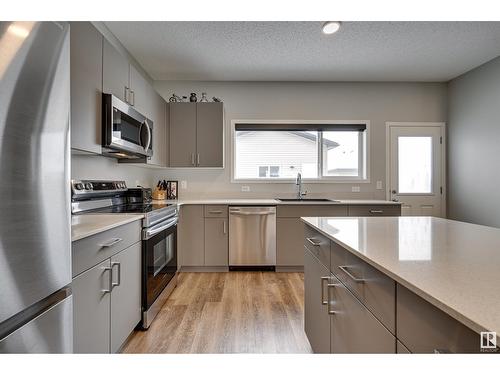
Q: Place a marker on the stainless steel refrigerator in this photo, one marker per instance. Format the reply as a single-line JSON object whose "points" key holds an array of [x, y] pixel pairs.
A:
{"points": [[35, 245]]}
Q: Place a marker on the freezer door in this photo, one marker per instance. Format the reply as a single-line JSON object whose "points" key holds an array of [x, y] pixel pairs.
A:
{"points": [[35, 243], [50, 332]]}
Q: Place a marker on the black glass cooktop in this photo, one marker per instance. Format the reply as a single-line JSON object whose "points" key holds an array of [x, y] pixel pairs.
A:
{"points": [[133, 208]]}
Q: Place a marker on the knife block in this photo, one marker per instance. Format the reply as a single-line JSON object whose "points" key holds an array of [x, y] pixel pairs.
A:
{"points": [[159, 194]]}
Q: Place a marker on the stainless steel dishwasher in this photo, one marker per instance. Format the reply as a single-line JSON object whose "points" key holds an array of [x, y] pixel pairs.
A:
{"points": [[252, 237]]}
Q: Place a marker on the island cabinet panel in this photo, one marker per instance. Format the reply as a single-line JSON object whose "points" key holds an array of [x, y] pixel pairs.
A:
{"points": [[401, 349], [423, 328], [374, 289], [317, 320], [318, 245], [353, 328], [370, 210]]}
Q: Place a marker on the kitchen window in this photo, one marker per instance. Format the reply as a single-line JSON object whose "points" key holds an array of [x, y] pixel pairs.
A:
{"points": [[277, 151]]}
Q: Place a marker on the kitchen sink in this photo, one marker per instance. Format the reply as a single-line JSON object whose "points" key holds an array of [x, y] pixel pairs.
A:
{"points": [[306, 200]]}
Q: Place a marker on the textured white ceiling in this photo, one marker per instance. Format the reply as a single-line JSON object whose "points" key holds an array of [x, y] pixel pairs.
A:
{"points": [[299, 51]]}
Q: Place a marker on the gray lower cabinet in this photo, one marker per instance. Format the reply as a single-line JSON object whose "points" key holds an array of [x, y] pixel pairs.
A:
{"points": [[353, 328], [316, 318], [91, 310], [289, 242], [191, 236], [126, 294], [86, 87], [196, 135], [216, 242]]}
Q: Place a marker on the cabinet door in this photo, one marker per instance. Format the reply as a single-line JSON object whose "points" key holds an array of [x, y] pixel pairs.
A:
{"points": [[216, 242], [159, 133], [182, 145], [209, 135], [126, 295], [86, 87], [289, 242], [353, 328], [115, 72], [191, 236], [142, 94], [316, 318], [91, 309]]}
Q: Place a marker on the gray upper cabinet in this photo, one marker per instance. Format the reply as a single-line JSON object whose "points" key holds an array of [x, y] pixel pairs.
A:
{"points": [[182, 143], [196, 134], [126, 295], [91, 309], [160, 152], [142, 95], [115, 72], [209, 135], [86, 87]]}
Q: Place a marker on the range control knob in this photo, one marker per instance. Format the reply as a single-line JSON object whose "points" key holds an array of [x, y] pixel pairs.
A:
{"points": [[88, 186], [79, 186]]}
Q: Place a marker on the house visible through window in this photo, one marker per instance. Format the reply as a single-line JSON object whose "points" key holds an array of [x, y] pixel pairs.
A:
{"points": [[317, 151]]}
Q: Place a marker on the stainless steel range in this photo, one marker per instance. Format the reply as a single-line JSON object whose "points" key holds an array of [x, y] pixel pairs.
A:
{"points": [[159, 234]]}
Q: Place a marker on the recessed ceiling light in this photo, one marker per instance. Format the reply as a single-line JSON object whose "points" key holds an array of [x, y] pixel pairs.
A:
{"points": [[331, 27]]}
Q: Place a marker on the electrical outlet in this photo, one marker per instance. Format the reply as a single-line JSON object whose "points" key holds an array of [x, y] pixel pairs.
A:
{"points": [[184, 184], [379, 185], [356, 189], [245, 188]]}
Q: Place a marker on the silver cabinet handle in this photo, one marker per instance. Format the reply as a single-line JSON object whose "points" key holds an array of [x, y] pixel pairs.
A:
{"points": [[198, 159], [224, 228], [112, 242], [376, 211], [127, 94], [110, 280], [113, 264], [192, 159], [132, 98], [329, 302], [323, 279], [215, 212], [314, 243], [344, 269], [252, 213]]}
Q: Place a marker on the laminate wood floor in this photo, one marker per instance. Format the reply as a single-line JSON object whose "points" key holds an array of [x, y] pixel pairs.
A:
{"points": [[231, 312]]}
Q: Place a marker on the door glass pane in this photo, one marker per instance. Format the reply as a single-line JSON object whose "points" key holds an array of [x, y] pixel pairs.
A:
{"points": [[414, 165]]}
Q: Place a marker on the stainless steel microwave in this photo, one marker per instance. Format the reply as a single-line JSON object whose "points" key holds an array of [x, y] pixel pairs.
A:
{"points": [[126, 133]]}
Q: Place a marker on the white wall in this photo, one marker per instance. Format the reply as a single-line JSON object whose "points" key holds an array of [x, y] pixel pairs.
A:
{"points": [[96, 167], [377, 102], [474, 146]]}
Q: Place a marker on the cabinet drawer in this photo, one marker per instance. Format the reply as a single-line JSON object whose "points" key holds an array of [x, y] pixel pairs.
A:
{"points": [[213, 210], [374, 289], [318, 245], [298, 210], [92, 250], [353, 328], [394, 210], [423, 328]]}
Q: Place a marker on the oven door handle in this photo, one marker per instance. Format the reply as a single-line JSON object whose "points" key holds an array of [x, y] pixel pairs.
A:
{"points": [[160, 227]]}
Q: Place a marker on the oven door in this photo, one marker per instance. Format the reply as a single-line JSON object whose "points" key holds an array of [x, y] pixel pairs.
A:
{"points": [[125, 129], [159, 260]]}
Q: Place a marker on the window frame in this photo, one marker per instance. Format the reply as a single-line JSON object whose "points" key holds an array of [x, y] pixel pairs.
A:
{"points": [[364, 160]]}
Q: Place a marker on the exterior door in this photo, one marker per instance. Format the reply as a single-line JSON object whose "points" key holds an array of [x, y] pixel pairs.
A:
{"points": [[416, 175]]}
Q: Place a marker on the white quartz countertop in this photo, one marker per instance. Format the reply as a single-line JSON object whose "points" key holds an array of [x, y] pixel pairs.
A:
{"points": [[453, 265], [89, 224], [264, 201]]}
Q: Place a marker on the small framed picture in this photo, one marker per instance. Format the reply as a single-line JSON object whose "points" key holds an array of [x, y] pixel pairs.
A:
{"points": [[172, 190]]}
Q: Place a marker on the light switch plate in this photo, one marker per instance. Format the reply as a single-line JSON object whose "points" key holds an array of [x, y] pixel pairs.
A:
{"points": [[356, 189], [245, 188], [184, 184], [379, 185]]}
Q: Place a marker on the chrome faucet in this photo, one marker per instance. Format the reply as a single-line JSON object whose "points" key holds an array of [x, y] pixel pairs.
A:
{"points": [[298, 182]]}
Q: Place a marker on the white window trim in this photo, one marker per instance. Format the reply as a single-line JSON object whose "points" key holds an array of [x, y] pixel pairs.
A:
{"points": [[323, 180]]}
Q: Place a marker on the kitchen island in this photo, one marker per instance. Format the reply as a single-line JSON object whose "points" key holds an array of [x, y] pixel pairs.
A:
{"points": [[401, 284]]}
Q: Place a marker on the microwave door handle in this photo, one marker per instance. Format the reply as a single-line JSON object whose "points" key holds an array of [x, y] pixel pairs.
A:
{"points": [[149, 136], [140, 134]]}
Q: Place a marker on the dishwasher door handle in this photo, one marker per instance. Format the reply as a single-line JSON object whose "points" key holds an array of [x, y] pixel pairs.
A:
{"points": [[260, 213]]}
